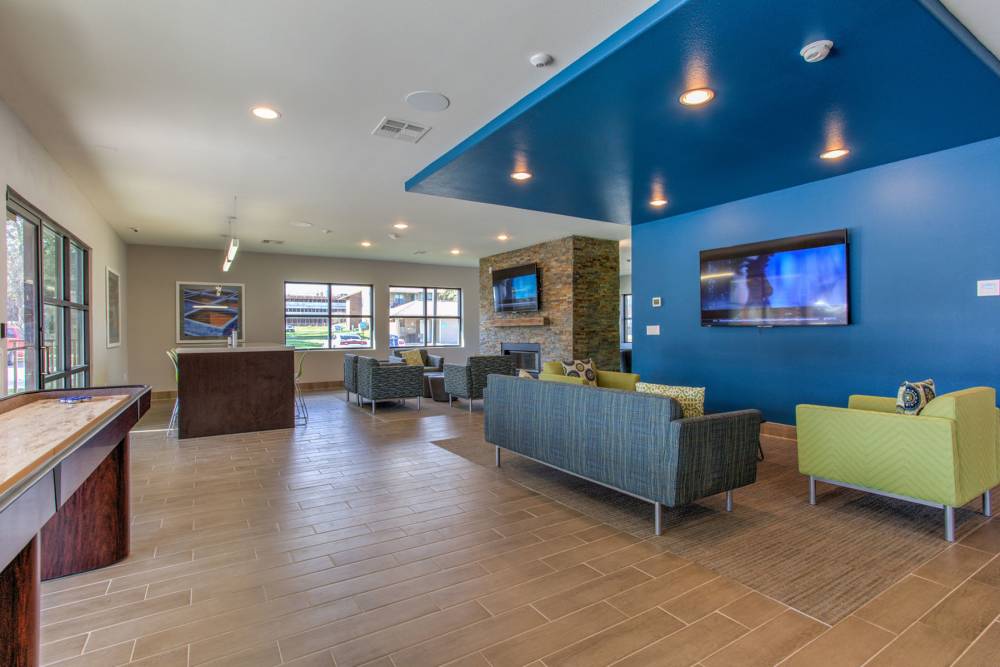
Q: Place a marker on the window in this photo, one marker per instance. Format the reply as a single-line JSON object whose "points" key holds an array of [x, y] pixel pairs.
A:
{"points": [[41, 253], [425, 316], [627, 318], [325, 316]]}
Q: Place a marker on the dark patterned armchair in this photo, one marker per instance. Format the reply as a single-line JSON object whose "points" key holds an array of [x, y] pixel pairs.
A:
{"points": [[379, 381], [469, 381], [350, 375]]}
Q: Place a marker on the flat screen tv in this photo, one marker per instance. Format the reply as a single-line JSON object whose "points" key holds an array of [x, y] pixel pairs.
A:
{"points": [[515, 290], [799, 281]]}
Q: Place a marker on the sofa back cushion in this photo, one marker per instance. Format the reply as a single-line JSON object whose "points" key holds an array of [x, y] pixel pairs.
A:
{"points": [[553, 368]]}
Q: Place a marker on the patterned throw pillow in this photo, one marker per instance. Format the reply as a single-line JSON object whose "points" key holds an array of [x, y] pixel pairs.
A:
{"points": [[914, 396], [692, 399], [581, 368], [525, 374], [413, 358]]}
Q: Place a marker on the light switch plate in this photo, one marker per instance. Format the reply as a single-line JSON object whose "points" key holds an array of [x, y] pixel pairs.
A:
{"points": [[652, 329], [988, 288], [656, 301]]}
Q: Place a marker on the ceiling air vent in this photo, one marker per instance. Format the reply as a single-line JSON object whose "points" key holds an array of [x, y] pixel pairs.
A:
{"points": [[403, 130], [271, 242]]}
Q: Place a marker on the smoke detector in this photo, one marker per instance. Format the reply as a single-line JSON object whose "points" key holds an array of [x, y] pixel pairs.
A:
{"points": [[816, 51], [401, 130], [541, 59]]}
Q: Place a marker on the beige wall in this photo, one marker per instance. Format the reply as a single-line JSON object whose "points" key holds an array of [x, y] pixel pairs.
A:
{"points": [[27, 168], [154, 272]]}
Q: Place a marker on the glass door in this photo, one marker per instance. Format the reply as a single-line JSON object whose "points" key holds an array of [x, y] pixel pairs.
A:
{"points": [[20, 263]]}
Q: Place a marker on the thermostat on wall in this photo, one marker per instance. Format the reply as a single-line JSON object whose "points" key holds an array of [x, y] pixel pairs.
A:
{"points": [[656, 302]]}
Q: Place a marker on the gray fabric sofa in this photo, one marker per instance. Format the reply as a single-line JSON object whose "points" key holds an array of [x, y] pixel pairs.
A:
{"points": [[432, 362], [635, 443]]}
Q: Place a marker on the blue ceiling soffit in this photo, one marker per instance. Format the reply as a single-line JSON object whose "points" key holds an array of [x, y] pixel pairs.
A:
{"points": [[606, 134]]}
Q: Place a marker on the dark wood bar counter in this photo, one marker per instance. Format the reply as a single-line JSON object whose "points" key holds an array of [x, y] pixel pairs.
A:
{"points": [[64, 498], [235, 389]]}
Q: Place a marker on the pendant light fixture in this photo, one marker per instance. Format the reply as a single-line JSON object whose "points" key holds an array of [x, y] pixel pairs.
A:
{"points": [[234, 243]]}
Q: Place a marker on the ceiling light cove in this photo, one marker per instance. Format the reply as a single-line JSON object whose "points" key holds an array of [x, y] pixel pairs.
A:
{"points": [[265, 113], [658, 202], [697, 97], [456, 251], [401, 225], [521, 175], [366, 244], [834, 154], [502, 237]]}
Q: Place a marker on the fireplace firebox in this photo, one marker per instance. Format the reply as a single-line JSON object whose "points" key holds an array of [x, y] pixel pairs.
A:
{"points": [[527, 356]]}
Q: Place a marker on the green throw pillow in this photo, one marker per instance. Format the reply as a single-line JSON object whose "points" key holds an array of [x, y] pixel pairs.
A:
{"points": [[914, 396], [692, 399]]}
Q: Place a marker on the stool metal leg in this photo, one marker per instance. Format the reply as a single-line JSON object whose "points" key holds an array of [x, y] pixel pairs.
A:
{"points": [[949, 523], [658, 518], [729, 501], [987, 504], [498, 457], [812, 490]]}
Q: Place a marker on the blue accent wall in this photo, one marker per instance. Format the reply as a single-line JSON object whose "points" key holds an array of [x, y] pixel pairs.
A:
{"points": [[922, 232]]}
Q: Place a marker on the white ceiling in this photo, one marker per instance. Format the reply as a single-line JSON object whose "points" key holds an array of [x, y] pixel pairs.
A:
{"points": [[146, 104]]}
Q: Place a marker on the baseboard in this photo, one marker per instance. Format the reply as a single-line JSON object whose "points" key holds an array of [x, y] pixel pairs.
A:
{"points": [[332, 385]]}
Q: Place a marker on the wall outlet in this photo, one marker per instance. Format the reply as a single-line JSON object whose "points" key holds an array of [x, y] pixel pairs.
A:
{"points": [[657, 302], [988, 288], [652, 329]]}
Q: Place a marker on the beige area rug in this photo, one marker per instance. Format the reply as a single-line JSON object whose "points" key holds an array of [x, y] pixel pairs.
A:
{"points": [[825, 560]]}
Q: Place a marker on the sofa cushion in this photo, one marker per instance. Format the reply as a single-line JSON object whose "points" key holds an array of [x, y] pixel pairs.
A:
{"points": [[523, 373], [413, 358], [914, 396], [581, 368], [691, 399]]}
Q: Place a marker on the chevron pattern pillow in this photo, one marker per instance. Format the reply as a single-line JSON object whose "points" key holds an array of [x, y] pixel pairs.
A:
{"points": [[914, 396]]}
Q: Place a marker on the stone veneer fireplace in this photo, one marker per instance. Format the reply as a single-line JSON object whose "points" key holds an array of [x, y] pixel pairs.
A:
{"points": [[578, 319], [527, 356]]}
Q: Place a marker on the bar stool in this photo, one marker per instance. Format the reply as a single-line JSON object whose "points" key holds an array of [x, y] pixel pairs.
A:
{"points": [[172, 426], [301, 410]]}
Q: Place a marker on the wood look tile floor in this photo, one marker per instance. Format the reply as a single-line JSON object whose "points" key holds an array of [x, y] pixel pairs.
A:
{"points": [[354, 540]]}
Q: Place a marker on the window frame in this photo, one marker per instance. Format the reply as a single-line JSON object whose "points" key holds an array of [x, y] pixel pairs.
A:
{"points": [[429, 320], [64, 378], [330, 316], [627, 334]]}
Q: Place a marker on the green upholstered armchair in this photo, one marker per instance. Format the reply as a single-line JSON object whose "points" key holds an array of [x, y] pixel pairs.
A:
{"points": [[379, 381], [944, 457], [552, 371]]}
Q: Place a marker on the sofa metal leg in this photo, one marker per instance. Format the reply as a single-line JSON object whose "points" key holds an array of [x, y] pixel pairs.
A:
{"points": [[658, 518], [812, 490], [449, 400], [729, 501], [347, 399], [418, 404], [498, 457], [373, 407], [949, 523], [470, 406], [987, 504]]}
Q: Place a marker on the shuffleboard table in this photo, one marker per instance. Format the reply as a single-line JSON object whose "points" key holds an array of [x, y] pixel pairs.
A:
{"points": [[64, 497]]}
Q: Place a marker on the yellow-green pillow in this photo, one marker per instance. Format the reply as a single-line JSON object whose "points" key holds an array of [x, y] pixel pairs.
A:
{"points": [[413, 358], [692, 399]]}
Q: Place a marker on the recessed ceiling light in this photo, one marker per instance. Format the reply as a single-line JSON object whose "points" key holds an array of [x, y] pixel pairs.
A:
{"points": [[301, 224], [366, 244], [502, 237], [697, 96], [266, 113], [834, 154], [427, 100], [521, 175], [401, 225], [658, 202], [456, 251]]}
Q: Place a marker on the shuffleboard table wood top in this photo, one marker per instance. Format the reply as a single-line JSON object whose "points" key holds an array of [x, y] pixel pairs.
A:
{"points": [[40, 430]]}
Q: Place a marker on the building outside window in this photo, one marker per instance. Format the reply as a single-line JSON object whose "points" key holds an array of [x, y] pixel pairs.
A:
{"points": [[328, 316], [425, 317], [626, 318]]}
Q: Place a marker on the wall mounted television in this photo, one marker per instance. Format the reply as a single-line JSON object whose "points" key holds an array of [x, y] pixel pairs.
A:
{"points": [[792, 282], [515, 290]]}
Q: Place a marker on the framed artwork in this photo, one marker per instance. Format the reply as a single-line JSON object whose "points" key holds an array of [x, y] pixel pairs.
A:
{"points": [[113, 296], [209, 312]]}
